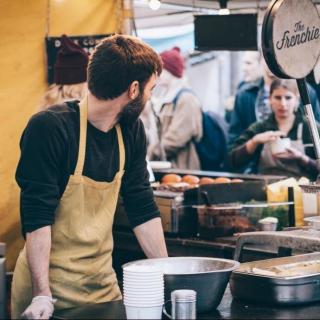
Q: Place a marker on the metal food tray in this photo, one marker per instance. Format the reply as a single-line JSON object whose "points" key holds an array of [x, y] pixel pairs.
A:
{"points": [[282, 290]]}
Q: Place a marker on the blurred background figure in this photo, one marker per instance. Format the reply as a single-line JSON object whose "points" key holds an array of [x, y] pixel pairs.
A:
{"points": [[251, 67], [252, 103], [179, 115], [70, 75], [252, 72], [254, 146]]}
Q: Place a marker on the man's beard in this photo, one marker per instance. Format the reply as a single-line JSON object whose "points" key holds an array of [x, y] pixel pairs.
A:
{"points": [[131, 112]]}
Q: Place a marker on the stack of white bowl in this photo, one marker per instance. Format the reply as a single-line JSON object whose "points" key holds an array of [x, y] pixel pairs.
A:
{"points": [[143, 292]]}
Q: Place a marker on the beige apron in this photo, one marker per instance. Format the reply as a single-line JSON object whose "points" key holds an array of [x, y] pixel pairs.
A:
{"points": [[268, 164], [80, 269]]}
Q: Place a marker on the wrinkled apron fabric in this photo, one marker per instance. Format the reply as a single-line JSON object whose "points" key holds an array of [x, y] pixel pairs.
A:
{"points": [[80, 270]]}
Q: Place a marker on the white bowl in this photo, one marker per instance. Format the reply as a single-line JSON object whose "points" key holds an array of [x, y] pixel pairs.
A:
{"points": [[280, 145]]}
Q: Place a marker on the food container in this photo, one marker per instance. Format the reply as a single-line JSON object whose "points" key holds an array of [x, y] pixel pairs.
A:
{"points": [[225, 220], [283, 281], [268, 224], [314, 222], [207, 276]]}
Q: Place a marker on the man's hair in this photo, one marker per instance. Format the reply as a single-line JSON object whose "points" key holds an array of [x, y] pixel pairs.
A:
{"points": [[118, 61]]}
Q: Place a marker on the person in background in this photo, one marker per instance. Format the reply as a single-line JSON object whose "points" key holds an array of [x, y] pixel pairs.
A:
{"points": [[75, 160], [285, 120], [252, 104], [251, 66], [252, 72], [180, 115], [69, 73]]}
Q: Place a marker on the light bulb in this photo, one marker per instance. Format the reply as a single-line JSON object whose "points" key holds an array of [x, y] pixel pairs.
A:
{"points": [[154, 4], [224, 11]]}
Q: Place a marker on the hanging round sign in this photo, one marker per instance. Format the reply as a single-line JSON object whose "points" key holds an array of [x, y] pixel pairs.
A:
{"points": [[291, 37]]}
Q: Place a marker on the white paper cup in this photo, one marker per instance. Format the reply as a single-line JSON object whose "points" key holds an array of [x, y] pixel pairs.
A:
{"points": [[143, 303], [137, 287], [143, 279], [280, 145], [142, 269], [143, 297], [154, 312], [154, 290]]}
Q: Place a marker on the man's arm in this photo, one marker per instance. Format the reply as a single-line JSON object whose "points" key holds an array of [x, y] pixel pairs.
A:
{"points": [[38, 245], [151, 238]]}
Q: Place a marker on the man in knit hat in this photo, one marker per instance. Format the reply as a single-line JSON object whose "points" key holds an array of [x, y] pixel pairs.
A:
{"points": [[76, 158], [180, 115], [69, 74]]}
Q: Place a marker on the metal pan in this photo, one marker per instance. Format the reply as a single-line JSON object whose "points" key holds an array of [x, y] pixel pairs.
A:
{"points": [[292, 290]]}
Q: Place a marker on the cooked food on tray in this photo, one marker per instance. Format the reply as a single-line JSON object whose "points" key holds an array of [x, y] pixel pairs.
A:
{"points": [[290, 269]]}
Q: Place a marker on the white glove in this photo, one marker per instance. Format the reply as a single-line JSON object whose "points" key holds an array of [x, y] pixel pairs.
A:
{"points": [[41, 307]]}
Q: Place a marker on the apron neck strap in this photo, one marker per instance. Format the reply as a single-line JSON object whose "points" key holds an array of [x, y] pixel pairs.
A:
{"points": [[300, 131], [83, 108], [122, 153]]}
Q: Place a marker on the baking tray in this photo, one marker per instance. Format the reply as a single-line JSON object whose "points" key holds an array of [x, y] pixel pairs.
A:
{"points": [[281, 289]]}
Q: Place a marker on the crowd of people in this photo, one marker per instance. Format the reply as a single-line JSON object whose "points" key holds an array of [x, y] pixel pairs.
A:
{"points": [[265, 109]]}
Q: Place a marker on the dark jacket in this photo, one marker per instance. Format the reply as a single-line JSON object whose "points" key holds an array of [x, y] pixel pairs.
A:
{"points": [[239, 157], [244, 113]]}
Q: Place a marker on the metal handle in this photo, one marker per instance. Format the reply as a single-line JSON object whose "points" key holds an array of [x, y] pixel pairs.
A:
{"points": [[165, 311], [302, 85]]}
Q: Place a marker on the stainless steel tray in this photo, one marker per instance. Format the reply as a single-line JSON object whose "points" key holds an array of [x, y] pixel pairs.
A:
{"points": [[291, 289]]}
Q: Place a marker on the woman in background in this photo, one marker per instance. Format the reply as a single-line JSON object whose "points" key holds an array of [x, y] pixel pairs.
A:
{"points": [[254, 145]]}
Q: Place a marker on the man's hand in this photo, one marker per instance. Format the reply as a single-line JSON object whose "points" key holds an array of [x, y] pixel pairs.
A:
{"points": [[41, 307]]}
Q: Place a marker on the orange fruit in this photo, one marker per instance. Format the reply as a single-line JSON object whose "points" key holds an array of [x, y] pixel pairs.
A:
{"points": [[190, 179], [222, 180], [206, 180], [171, 178], [236, 180]]}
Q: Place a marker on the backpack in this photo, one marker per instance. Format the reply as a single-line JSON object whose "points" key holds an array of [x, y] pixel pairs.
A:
{"points": [[212, 148]]}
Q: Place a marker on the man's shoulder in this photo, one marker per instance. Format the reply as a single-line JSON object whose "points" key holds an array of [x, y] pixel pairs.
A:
{"points": [[54, 117], [135, 129]]}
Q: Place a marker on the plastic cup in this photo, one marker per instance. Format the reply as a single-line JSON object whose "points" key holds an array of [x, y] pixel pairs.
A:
{"points": [[138, 312]]}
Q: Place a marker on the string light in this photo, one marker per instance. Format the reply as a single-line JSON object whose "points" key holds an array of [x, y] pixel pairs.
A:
{"points": [[154, 4]]}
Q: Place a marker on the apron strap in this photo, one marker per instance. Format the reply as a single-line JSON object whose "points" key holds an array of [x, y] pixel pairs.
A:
{"points": [[83, 108], [122, 153], [300, 131]]}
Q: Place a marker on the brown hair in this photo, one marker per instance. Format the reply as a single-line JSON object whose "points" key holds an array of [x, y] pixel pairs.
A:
{"points": [[288, 84], [118, 61]]}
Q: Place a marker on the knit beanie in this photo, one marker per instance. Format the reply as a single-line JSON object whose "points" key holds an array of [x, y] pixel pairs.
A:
{"points": [[173, 61], [71, 63]]}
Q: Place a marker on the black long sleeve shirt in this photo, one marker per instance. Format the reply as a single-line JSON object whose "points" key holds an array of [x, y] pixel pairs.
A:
{"points": [[49, 152]]}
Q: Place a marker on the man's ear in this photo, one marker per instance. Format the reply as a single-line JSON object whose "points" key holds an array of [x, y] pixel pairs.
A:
{"points": [[134, 90]]}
